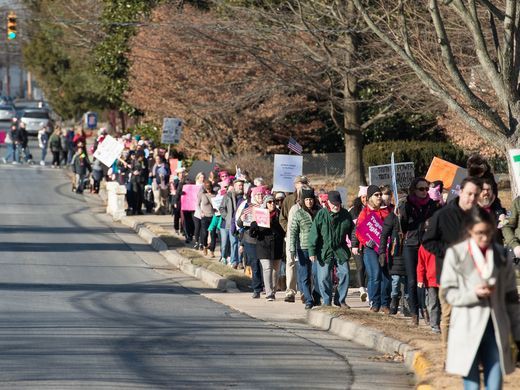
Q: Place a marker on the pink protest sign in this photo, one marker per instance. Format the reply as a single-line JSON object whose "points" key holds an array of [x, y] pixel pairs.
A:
{"points": [[370, 228], [261, 216], [2, 137], [189, 197]]}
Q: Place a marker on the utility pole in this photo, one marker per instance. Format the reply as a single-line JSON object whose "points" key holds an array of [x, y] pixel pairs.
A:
{"points": [[7, 70], [29, 85]]}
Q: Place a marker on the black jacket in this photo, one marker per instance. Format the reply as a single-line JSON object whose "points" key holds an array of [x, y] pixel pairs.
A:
{"points": [[390, 233], [413, 221], [444, 229], [270, 240]]}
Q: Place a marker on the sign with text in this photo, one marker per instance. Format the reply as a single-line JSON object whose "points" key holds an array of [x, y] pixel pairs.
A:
{"points": [[171, 131], [514, 156], [189, 197], [216, 201], [370, 228], [286, 168], [261, 216], [382, 174], [108, 151], [443, 170]]}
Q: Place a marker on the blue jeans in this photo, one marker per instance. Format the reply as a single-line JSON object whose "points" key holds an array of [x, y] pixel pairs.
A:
{"points": [[304, 266], [256, 268], [379, 285], [234, 243], [397, 280], [10, 152], [224, 243], [17, 149], [325, 280], [315, 285], [489, 356], [44, 153]]}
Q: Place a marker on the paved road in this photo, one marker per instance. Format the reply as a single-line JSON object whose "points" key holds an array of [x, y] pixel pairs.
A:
{"points": [[86, 304]]}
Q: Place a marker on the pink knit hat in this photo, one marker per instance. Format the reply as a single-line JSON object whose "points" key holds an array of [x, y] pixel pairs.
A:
{"points": [[258, 190], [435, 194], [362, 191]]}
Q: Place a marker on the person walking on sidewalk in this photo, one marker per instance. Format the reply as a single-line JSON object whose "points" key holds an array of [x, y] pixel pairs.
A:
{"points": [[427, 278], [43, 140], [228, 208], [9, 156], [55, 146], [355, 210], [81, 168], [379, 284], [299, 239], [328, 246], [413, 214], [269, 246], [444, 229], [206, 213], [480, 285]]}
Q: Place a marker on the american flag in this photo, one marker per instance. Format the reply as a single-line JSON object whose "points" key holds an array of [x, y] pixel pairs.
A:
{"points": [[294, 146]]}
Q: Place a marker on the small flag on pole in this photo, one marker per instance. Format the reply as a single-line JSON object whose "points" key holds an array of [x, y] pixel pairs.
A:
{"points": [[294, 146]]}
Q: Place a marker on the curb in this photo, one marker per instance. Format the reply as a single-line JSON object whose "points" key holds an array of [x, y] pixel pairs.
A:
{"points": [[210, 278], [413, 358]]}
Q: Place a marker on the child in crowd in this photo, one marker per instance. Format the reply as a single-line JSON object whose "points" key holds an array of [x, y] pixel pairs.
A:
{"points": [[427, 278]]}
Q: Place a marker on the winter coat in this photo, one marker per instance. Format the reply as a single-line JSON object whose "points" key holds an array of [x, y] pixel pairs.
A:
{"points": [[269, 243], [358, 240], [511, 229], [288, 203], [470, 315], [81, 164], [426, 270], [141, 177], [205, 205], [328, 236], [245, 230], [300, 228], [391, 245], [445, 228], [43, 139], [413, 219], [228, 208], [55, 143], [497, 210]]}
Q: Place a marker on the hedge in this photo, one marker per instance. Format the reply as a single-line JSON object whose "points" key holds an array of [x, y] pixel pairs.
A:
{"points": [[420, 153]]}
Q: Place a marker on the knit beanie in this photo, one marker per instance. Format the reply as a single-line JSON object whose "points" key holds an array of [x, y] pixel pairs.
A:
{"points": [[307, 193], [267, 199], [362, 191], [371, 190]]}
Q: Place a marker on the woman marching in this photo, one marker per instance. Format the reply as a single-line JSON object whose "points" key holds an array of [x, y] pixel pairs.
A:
{"points": [[480, 285]]}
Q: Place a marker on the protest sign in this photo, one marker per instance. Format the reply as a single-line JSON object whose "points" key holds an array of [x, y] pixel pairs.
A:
{"points": [[171, 131], [200, 166], [370, 228], [3, 134], [444, 171], [261, 216], [247, 216], [108, 151], [394, 179], [286, 168], [216, 201], [380, 175], [460, 175], [174, 164], [514, 157], [189, 197]]}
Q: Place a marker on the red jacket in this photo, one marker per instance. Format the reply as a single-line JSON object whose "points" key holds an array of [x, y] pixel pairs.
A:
{"points": [[382, 213], [426, 268]]}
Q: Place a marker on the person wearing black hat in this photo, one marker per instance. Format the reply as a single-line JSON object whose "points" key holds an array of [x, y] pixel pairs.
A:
{"points": [[328, 246], [379, 283]]}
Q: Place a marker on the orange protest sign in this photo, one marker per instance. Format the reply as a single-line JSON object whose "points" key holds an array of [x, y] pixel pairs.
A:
{"points": [[442, 170]]}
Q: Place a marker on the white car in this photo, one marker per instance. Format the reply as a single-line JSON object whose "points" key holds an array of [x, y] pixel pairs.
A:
{"points": [[35, 119], [7, 113]]}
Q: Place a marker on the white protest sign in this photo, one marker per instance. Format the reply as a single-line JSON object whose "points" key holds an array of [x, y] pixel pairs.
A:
{"points": [[382, 174], [172, 131], [108, 151], [286, 168], [514, 156], [217, 201]]}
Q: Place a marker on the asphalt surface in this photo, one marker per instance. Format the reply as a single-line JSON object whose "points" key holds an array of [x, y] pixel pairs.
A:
{"points": [[84, 303]]}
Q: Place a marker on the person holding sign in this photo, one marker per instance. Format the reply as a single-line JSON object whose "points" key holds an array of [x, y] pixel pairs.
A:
{"points": [[369, 226], [299, 239], [328, 246], [269, 246]]}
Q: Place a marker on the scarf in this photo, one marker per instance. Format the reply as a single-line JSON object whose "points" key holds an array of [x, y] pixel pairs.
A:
{"points": [[483, 263], [418, 202]]}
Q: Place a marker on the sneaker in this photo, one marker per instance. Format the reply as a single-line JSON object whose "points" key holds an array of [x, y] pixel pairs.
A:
{"points": [[374, 309], [289, 298], [270, 298], [255, 295], [42, 163], [385, 310], [15, 163], [223, 260], [363, 294], [345, 306], [436, 329], [196, 246], [4, 161], [308, 306]]}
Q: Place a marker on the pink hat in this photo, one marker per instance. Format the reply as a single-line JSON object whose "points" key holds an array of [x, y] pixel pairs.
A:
{"points": [[362, 191], [435, 194], [258, 190]]}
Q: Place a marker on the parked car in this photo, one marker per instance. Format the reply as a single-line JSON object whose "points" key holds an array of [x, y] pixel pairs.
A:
{"points": [[7, 113], [35, 119]]}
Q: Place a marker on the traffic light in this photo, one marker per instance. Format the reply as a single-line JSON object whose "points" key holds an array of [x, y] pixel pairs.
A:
{"points": [[11, 25]]}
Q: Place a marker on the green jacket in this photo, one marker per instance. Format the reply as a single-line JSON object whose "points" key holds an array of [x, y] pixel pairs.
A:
{"points": [[511, 229], [328, 236], [300, 227]]}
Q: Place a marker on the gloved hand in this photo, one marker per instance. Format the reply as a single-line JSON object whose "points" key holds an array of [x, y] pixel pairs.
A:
{"points": [[516, 250], [370, 244], [382, 259]]}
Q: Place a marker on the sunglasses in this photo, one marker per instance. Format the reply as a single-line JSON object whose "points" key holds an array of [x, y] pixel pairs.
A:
{"points": [[279, 200], [378, 194], [269, 201], [422, 188]]}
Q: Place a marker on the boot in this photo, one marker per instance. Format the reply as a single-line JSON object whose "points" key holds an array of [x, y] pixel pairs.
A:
{"points": [[394, 304], [426, 316], [415, 320]]}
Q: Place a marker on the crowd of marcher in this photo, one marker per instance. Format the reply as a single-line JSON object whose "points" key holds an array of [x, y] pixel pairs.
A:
{"points": [[444, 256]]}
